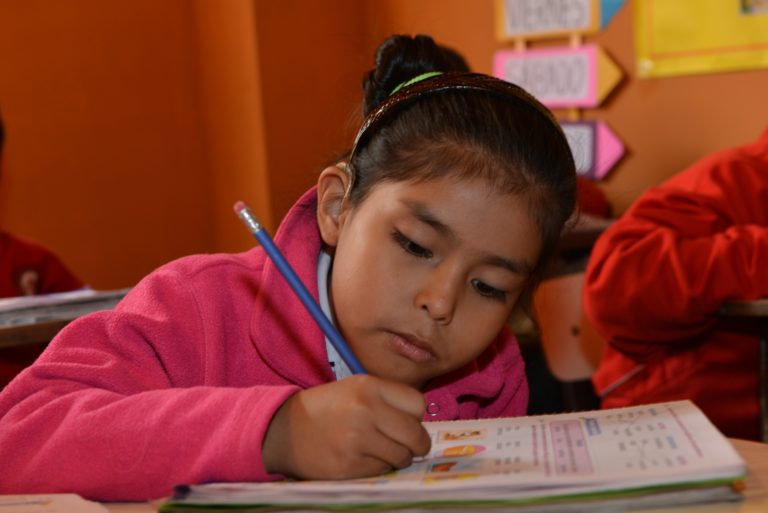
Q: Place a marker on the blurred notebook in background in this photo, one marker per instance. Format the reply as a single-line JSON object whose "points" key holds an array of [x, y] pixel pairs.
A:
{"points": [[37, 319], [60, 305]]}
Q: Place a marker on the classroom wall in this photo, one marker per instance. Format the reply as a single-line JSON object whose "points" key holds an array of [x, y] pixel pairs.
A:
{"points": [[665, 123], [311, 63], [234, 125], [134, 125], [105, 156]]}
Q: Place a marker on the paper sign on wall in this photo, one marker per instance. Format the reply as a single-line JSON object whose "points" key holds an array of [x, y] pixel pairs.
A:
{"points": [[595, 147], [560, 77], [677, 37], [534, 19]]}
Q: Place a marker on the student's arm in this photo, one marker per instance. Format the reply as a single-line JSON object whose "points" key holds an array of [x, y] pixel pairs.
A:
{"points": [[125, 404], [660, 274]]}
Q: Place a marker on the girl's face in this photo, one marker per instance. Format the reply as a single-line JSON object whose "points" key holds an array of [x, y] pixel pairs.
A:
{"points": [[425, 275]]}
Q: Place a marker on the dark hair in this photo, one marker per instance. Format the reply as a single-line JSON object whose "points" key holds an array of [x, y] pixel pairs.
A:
{"points": [[465, 125], [401, 58]]}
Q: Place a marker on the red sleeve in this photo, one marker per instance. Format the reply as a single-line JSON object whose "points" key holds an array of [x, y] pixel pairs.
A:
{"points": [[591, 198], [55, 277], [20, 256], [660, 274]]}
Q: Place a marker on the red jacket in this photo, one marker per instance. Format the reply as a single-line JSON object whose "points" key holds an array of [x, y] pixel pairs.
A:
{"points": [[18, 256], [658, 276]]}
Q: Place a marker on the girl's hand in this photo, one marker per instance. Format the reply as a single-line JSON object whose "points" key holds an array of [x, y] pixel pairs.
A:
{"points": [[357, 427]]}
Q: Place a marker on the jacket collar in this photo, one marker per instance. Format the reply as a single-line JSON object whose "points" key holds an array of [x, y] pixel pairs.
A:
{"points": [[283, 332]]}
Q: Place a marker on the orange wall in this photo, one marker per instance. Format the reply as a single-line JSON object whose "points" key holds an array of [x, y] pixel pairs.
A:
{"points": [[233, 117], [105, 159], [311, 63], [667, 123], [134, 125], [465, 25]]}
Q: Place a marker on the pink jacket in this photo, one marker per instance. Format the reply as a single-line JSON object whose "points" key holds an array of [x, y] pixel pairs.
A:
{"points": [[178, 383]]}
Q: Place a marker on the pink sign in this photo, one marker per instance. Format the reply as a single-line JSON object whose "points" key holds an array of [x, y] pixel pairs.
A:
{"points": [[560, 77], [595, 147]]}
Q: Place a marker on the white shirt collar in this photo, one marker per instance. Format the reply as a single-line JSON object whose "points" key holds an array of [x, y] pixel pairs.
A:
{"points": [[340, 368]]}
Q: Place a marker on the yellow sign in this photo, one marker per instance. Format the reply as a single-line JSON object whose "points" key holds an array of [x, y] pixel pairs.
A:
{"points": [[678, 37]]}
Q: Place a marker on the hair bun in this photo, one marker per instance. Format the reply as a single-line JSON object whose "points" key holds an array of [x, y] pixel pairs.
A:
{"points": [[400, 58]]}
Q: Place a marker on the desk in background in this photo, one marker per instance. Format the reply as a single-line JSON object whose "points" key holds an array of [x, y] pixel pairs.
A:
{"points": [[757, 308], [756, 493], [37, 319]]}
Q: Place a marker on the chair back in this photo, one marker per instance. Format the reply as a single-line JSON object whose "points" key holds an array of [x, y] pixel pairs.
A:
{"points": [[571, 346]]}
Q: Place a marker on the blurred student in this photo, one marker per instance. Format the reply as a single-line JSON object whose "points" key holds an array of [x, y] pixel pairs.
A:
{"points": [[27, 269], [657, 278]]}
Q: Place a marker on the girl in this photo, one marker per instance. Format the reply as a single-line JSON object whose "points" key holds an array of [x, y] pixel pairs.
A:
{"points": [[418, 245]]}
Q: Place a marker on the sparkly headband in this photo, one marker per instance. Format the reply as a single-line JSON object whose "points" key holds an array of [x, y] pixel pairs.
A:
{"points": [[419, 87]]}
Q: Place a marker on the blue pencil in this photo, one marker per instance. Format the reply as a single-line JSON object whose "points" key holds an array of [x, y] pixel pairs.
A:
{"points": [[298, 287]]}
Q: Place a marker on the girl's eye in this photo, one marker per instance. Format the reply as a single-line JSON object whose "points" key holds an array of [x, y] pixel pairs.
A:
{"points": [[490, 292], [410, 246]]}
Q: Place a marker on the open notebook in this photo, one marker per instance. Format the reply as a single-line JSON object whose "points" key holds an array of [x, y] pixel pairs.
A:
{"points": [[604, 460]]}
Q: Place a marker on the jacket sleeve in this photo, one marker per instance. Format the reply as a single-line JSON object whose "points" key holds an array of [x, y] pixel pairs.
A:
{"points": [[661, 273], [118, 407]]}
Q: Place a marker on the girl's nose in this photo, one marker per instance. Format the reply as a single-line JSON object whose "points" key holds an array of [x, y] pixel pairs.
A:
{"points": [[439, 294]]}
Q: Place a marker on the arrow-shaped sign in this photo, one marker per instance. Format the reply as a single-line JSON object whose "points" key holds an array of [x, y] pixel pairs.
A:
{"points": [[560, 77], [536, 19], [608, 9], [595, 147]]}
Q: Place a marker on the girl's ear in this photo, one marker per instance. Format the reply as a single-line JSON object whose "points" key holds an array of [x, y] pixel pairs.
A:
{"points": [[332, 187]]}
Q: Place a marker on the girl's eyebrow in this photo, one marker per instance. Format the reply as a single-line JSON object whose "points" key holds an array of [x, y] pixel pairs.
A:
{"points": [[515, 266], [421, 212]]}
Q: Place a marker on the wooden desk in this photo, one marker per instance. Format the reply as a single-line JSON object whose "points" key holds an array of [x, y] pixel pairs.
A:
{"points": [[756, 493], [757, 308]]}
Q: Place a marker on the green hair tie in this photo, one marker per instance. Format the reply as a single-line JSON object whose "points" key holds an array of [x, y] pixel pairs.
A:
{"points": [[418, 78]]}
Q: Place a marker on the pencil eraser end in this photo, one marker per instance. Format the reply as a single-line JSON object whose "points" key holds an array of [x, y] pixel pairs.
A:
{"points": [[239, 206]]}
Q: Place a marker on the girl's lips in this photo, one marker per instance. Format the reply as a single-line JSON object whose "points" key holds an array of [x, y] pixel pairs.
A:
{"points": [[416, 351]]}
